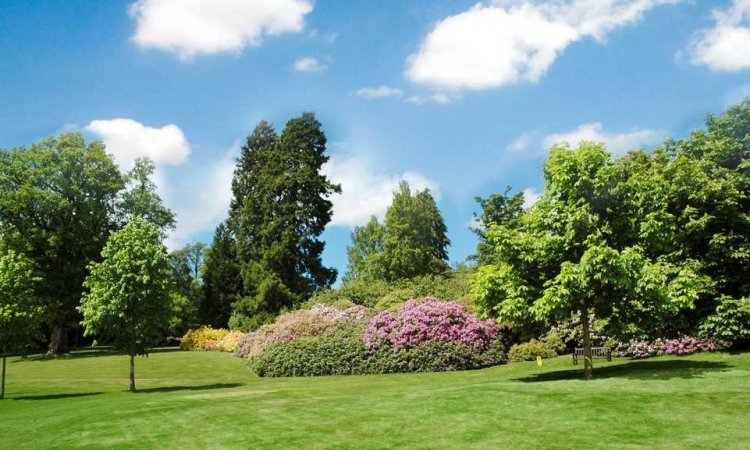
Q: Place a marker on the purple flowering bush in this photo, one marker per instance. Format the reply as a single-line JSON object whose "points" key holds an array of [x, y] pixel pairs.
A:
{"points": [[683, 345], [429, 319]]}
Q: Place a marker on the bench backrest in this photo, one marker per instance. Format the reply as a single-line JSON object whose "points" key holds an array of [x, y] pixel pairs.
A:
{"points": [[602, 352]]}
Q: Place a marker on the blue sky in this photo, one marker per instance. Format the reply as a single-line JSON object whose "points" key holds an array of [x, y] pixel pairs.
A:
{"points": [[459, 96]]}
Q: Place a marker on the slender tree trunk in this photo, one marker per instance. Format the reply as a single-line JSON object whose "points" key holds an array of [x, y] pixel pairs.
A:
{"points": [[132, 368], [2, 385], [588, 367]]}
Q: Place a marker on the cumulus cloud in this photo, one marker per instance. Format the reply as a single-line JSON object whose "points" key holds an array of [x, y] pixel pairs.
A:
{"points": [[522, 142], [726, 46], [194, 27], [365, 191], [127, 139], [617, 143], [379, 92], [309, 65], [506, 42]]}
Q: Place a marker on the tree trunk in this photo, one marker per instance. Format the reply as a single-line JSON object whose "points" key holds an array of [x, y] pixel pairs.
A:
{"points": [[2, 386], [56, 340], [132, 368], [588, 362]]}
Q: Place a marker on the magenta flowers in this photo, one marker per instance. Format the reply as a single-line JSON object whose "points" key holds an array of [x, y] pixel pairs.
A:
{"points": [[429, 319]]}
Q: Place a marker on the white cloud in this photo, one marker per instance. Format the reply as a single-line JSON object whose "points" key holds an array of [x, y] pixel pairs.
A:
{"points": [[522, 143], [195, 27], [309, 65], [512, 41], [366, 192], [617, 143], [726, 46], [202, 202], [737, 95], [437, 97], [379, 92], [530, 196], [127, 139]]}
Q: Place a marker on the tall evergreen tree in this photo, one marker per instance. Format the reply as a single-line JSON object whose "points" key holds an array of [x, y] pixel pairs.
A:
{"points": [[280, 208], [222, 284], [497, 209], [58, 206], [416, 241]]}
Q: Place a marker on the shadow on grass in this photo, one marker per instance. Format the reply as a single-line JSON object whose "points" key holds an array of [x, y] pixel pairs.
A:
{"points": [[93, 353], [56, 396], [639, 370], [204, 387]]}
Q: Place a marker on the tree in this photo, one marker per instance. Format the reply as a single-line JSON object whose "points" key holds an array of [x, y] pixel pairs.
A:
{"points": [[141, 199], [20, 312], [584, 248], [497, 209], [280, 207], [185, 267], [128, 292], [365, 253], [57, 206], [222, 283], [416, 241]]}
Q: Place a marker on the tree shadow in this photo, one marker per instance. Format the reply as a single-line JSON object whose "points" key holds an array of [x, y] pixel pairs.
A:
{"points": [[637, 370], [204, 387], [93, 353], [56, 396]]}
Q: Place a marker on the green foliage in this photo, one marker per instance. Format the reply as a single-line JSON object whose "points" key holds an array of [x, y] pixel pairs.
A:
{"points": [[344, 353], [128, 292], [20, 312], [58, 203], [279, 209], [365, 253], [221, 280], [382, 295], [528, 351], [141, 199], [497, 209], [415, 241], [730, 324]]}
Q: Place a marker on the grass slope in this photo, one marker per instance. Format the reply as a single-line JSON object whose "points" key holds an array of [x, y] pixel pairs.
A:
{"points": [[211, 400]]}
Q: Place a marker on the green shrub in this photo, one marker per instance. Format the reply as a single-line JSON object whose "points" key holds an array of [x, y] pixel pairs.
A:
{"points": [[730, 324], [528, 351]]}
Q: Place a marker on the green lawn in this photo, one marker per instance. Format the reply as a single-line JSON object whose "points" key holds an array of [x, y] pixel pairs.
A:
{"points": [[211, 400]]}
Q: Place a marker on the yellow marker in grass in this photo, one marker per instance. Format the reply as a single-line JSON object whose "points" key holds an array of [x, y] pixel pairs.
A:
{"points": [[539, 361]]}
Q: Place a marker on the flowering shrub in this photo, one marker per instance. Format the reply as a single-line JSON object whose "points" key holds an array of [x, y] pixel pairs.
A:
{"points": [[320, 320], [344, 353], [203, 338], [528, 351], [229, 342], [684, 345], [426, 320]]}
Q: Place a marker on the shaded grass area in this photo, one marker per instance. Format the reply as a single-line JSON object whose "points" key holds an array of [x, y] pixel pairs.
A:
{"points": [[211, 400]]}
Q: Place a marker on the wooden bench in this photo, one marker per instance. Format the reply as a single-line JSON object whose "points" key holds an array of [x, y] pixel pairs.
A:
{"points": [[596, 352]]}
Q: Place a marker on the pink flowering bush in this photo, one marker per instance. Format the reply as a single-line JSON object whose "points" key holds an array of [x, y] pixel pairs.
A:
{"points": [[683, 345], [320, 320], [426, 320]]}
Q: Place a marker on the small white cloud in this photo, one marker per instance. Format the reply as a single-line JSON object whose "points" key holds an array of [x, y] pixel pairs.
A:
{"points": [[379, 92], [194, 27], [726, 46], [617, 143], [127, 139], [309, 65], [437, 97], [522, 143], [475, 224], [530, 196], [366, 192], [511, 41], [738, 95]]}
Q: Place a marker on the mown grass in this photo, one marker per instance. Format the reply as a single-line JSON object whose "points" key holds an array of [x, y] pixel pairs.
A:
{"points": [[211, 400]]}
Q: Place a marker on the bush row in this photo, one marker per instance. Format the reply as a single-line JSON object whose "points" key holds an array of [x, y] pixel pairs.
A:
{"points": [[211, 339], [684, 345]]}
